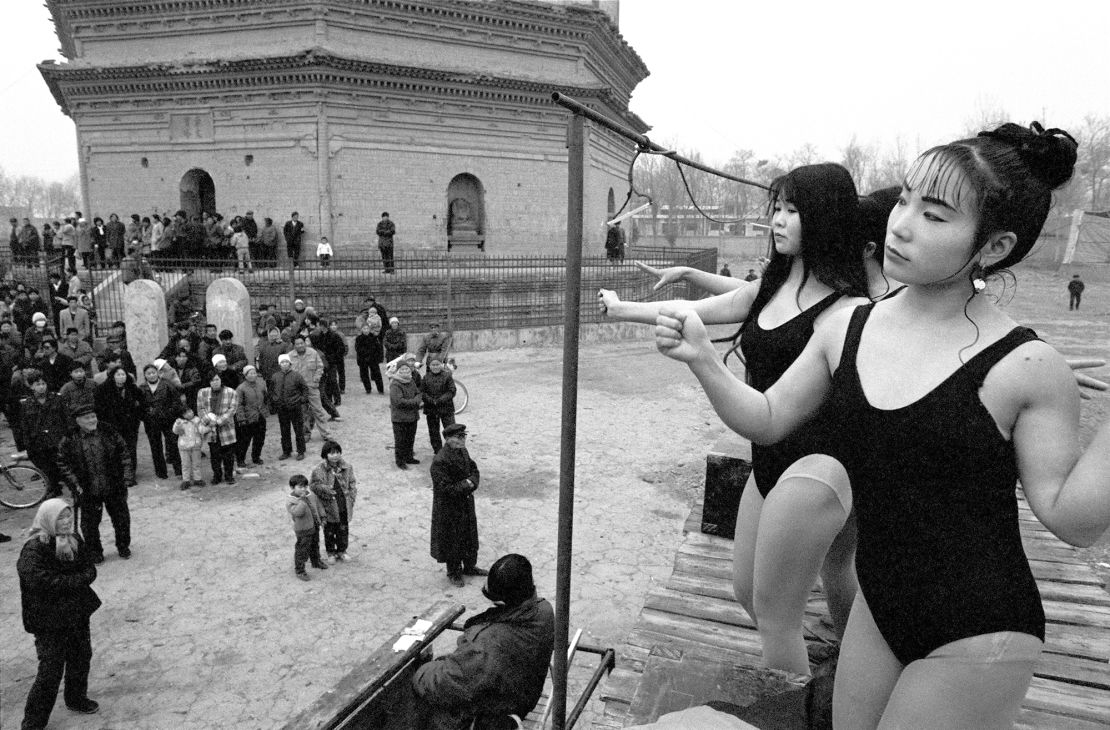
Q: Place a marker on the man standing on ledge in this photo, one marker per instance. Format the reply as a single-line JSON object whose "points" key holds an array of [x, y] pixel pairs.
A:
{"points": [[386, 230], [293, 231], [454, 523]]}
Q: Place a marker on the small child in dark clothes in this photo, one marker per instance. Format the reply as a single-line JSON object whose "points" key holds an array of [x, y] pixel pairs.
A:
{"points": [[305, 511]]}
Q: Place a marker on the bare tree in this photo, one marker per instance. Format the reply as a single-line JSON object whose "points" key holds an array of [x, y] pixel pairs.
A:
{"points": [[859, 160], [987, 114], [807, 154], [1094, 160]]}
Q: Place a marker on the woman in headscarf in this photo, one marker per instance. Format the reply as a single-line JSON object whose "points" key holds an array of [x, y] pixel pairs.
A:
{"points": [[55, 583], [394, 340]]}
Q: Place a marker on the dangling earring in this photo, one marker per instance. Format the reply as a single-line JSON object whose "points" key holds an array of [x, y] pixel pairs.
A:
{"points": [[976, 276]]}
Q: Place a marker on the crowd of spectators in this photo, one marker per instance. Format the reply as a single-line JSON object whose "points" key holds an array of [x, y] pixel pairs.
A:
{"points": [[240, 240]]}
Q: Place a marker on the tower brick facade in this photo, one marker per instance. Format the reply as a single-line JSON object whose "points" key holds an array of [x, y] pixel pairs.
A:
{"points": [[343, 109]]}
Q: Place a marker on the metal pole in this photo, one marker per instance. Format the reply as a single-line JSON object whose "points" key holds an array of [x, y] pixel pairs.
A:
{"points": [[576, 168], [450, 315], [51, 307], [641, 141]]}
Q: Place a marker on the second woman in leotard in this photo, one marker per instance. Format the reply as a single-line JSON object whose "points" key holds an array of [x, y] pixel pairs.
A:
{"points": [[790, 513]]}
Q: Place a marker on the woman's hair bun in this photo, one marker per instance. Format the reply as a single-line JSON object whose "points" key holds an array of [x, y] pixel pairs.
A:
{"points": [[1049, 154]]}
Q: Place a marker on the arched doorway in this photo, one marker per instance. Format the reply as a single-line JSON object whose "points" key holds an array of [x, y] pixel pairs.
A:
{"points": [[466, 212], [198, 192]]}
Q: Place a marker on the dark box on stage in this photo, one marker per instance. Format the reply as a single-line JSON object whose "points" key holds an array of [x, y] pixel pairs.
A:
{"points": [[727, 467]]}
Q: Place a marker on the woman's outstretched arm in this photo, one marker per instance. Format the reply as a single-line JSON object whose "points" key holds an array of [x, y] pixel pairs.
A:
{"points": [[762, 417], [712, 283], [729, 308]]}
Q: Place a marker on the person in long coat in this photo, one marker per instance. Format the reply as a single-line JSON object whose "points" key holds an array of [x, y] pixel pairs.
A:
{"points": [[454, 523], [56, 573]]}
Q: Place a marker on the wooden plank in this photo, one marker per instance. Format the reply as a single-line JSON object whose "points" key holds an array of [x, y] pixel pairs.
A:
{"points": [[700, 633], [1031, 719], [619, 685], [1071, 593], [700, 586], [1068, 699], [1066, 612], [692, 526], [1079, 641], [651, 634], [1074, 670], [699, 607]]}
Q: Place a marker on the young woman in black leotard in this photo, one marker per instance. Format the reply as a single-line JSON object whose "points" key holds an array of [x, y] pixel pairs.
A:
{"points": [[942, 404], [790, 514]]}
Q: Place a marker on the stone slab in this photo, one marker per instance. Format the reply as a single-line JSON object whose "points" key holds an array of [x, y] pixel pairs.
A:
{"points": [[144, 314], [228, 306]]}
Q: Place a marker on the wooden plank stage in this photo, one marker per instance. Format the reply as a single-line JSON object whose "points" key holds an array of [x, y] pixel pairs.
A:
{"points": [[695, 615]]}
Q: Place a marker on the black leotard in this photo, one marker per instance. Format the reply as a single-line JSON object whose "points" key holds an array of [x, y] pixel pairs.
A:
{"points": [[933, 483], [767, 355]]}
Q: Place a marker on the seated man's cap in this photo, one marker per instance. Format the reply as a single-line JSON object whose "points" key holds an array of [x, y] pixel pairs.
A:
{"points": [[510, 580], [83, 410], [455, 429]]}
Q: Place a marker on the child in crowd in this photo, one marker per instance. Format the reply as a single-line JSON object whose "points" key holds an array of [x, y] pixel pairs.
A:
{"points": [[323, 252], [191, 435], [305, 511], [241, 242], [333, 483]]}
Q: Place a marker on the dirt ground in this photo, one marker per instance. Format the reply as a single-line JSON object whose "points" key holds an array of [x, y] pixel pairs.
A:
{"points": [[207, 627]]}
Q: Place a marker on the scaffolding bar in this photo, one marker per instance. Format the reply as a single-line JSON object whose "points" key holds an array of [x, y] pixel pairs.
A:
{"points": [[641, 140]]}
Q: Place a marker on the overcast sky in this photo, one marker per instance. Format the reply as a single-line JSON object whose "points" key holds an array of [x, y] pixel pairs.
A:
{"points": [[765, 76]]}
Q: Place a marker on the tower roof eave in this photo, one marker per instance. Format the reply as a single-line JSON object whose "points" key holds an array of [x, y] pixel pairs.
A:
{"points": [[223, 74]]}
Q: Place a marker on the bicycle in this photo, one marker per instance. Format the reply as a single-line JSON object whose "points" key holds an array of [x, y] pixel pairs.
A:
{"points": [[22, 485], [462, 395]]}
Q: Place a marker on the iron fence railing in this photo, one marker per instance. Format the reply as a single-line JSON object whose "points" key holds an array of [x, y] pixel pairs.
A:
{"points": [[463, 290]]}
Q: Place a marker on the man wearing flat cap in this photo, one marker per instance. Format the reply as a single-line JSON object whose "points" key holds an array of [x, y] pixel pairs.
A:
{"points": [[500, 663], [96, 465], [454, 522]]}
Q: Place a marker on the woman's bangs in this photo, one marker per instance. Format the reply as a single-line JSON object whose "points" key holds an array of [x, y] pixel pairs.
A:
{"points": [[940, 175]]}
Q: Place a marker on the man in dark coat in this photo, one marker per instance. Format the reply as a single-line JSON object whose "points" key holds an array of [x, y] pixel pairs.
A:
{"points": [[55, 366], [500, 663], [1075, 292], [288, 394], [614, 243], [386, 230], [29, 242], [454, 523], [43, 421], [293, 231], [95, 464]]}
